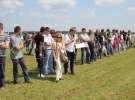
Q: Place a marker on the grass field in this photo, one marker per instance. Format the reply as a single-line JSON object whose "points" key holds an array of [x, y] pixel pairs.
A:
{"points": [[112, 78]]}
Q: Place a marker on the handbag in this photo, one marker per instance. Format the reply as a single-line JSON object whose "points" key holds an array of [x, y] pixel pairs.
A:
{"points": [[63, 56]]}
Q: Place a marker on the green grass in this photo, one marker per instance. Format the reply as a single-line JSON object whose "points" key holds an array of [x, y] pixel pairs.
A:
{"points": [[112, 78]]}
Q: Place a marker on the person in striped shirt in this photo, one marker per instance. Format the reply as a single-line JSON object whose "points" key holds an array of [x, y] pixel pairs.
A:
{"points": [[4, 44]]}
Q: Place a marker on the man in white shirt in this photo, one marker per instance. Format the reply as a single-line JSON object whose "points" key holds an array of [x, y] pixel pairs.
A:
{"points": [[70, 40], [84, 38], [48, 41]]}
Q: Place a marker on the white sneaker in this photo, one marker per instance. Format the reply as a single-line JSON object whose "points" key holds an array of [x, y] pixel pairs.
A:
{"points": [[42, 76]]}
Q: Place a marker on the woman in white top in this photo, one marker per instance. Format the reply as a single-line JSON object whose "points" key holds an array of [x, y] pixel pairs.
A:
{"points": [[70, 40], [57, 49]]}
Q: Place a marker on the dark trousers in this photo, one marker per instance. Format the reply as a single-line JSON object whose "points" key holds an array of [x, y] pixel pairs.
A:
{"points": [[27, 44], [39, 61], [93, 55], [2, 71], [71, 58], [100, 53], [15, 69], [75, 55], [32, 47]]}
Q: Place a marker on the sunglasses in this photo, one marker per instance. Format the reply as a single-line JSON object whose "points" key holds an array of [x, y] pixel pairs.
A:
{"points": [[57, 37]]}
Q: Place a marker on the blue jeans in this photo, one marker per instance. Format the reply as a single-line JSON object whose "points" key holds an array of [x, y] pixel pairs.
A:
{"points": [[15, 69], [110, 48], [87, 55], [48, 62]]}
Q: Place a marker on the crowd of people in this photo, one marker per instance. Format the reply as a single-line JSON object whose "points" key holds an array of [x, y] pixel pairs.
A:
{"points": [[54, 49]]}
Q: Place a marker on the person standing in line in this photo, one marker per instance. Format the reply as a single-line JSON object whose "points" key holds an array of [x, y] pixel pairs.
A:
{"points": [[32, 43], [109, 43], [115, 41], [91, 44], [70, 40], [101, 43], [57, 49], [48, 41], [4, 44], [78, 40], [129, 39], [83, 37], [39, 51], [27, 41], [16, 46], [97, 43], [53, 34]]}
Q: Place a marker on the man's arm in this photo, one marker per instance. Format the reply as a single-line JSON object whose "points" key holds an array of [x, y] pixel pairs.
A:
{"points": [[4, 45], [41, 49], [67, 42]]}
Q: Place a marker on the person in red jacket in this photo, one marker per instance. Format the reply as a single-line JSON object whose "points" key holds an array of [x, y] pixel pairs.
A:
{"points": [[115, 42]]}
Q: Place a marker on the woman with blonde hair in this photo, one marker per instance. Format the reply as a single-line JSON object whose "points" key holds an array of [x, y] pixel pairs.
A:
{"points": [[58, 46]]}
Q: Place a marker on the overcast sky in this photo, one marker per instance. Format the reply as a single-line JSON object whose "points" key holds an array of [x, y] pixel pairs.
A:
{"points": [[62, 14]]}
